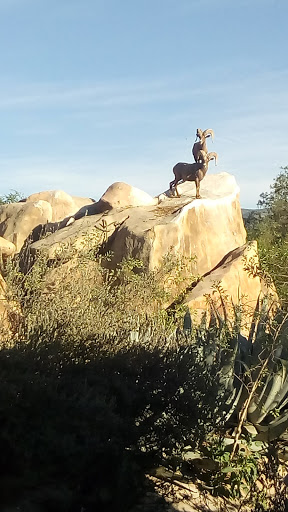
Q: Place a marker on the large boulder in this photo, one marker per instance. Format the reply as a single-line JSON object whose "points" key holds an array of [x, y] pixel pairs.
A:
{"points": [[7, 248], [63, 205], [17, 220], [205, 229], [120, 195], [235, 282]]}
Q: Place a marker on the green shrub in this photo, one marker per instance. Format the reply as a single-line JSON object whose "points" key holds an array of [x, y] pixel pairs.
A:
{"points": [[270, 229], [12, 197], [101, 385]]}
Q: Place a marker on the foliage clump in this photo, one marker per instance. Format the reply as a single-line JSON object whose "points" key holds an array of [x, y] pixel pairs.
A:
{"points": [[99, 384], [270, 228], [12, 197]]}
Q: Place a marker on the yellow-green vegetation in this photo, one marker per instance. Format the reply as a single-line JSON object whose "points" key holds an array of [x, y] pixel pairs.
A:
{"points": [[101, 385], [270, 228], [95, 381], [12, 197]]}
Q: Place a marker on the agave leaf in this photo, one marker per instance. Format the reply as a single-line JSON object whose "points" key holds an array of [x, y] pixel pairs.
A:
{"points": [[271, 402], [282, 403], [234, 401], [270, 395], [255, 407], [255, 320], [282, 396], [277, 398], [228, 359], [274, 430]]}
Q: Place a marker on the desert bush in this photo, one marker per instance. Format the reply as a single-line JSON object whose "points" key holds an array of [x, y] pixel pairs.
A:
{"points": [[100, 384], [83, 422], [12, 197]]}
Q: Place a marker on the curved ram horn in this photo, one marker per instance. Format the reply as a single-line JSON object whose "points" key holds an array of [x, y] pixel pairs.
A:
{"points": [[208, 133], [212, 156]]}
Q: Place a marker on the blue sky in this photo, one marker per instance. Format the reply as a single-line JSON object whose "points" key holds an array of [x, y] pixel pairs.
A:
{"points": [[97, 91]]}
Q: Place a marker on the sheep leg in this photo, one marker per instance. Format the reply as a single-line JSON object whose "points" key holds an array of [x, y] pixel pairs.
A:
{"points": [[171, 185], [178, 195], [174, 184], [197, 183]]}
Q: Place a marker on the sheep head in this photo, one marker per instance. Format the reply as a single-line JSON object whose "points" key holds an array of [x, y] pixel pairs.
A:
{"points": [[212, 156]]}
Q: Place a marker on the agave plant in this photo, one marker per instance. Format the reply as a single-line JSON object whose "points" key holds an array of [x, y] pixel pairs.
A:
{"points": [[254, 371], [268, 409]]}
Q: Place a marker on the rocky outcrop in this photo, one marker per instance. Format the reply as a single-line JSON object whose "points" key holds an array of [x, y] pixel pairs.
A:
{"points": [[201, 231], [204, 229], [17, 220], [76, 233], [235, 282], [206, 234]]}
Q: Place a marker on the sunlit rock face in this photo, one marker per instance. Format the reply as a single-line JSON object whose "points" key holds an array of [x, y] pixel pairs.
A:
{"points": [[201, 231], [17, 220], [205, 229], [7, 248], [121, 195], [63, 205], [234, 283]]}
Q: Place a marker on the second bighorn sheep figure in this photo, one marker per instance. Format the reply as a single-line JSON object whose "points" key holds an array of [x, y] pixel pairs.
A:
{"points": [[201, 144], [192, 172]]}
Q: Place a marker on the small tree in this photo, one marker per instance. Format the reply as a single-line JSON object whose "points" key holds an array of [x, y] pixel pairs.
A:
{"points": [[271, 231], [13, 197]]}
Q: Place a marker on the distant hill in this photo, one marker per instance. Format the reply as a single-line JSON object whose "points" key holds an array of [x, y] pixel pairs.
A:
{"points": [[246, 212]]}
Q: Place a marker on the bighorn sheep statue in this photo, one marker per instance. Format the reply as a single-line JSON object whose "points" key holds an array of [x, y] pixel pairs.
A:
{"points": [[192, 172], [201, 144]]}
